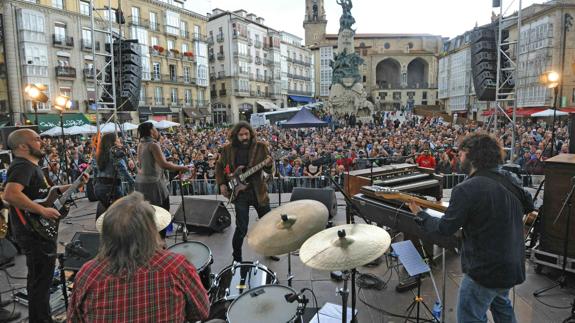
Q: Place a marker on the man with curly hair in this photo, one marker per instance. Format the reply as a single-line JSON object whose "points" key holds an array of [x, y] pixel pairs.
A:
{"points": [[489, 206]]}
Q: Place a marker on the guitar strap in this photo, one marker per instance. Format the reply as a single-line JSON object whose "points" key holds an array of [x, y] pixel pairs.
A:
{"points": [[21, 216]]}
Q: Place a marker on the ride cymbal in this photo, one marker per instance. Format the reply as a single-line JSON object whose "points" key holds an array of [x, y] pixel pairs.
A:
{"points": [[285, 228], [344, 247]]}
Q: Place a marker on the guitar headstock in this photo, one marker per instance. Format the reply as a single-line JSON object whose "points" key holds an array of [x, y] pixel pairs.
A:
{"points": [[387, 192]]}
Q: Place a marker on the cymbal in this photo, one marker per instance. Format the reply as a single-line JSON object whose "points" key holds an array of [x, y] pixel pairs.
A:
{"points": [[285, 228], [344, 247]]}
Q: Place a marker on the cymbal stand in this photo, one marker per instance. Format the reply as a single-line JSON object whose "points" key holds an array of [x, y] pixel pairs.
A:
{"points": [[344, 292], [61, 258], [185, 228]]}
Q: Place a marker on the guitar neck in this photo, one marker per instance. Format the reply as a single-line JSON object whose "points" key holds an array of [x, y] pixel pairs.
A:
{"points": [[437, 206], [73, 188], [253, 170]]}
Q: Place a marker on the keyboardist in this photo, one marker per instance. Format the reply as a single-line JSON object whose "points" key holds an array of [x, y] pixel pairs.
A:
{"points": [[489, 206]]}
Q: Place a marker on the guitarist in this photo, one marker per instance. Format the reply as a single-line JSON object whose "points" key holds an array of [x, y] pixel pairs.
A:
{"points": [[25, 183], [243, 149]]}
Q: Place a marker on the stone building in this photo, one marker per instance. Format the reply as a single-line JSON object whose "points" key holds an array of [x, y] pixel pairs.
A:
{"points": [[399, 70], [50, 42]]}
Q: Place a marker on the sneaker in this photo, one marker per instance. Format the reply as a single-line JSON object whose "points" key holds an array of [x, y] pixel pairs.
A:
{"points": [[7, 316]]}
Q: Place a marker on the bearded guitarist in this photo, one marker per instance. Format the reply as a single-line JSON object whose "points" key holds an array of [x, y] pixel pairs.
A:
{"points": [[26, 183], [242, 153]]}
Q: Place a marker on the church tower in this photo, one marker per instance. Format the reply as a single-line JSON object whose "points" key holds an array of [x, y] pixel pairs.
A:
{"points": [[314, 22]]}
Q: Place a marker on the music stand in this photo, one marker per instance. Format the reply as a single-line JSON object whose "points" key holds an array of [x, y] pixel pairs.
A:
{"points": [[415, 267]]}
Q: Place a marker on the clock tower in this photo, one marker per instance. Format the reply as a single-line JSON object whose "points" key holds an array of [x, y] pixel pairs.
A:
{"points": [[314, 22]]}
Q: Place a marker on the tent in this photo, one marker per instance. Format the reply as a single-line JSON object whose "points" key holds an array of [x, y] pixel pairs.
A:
{"points": [[549, 113], [304, 119]]}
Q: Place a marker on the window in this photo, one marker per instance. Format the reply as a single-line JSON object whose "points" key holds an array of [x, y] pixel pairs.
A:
{"points": [[173, 75], [156, 71], [58, 4], [174, 96], [142, 95], [85, 8], [170, 44], [188, 96], [187, 74], [172, 22], [184, 47], [154, 41], [86, 38], [158, 96], [136, 15], [66, 91], [154, 21], [183, 29], [60, 32], [197, 31]]}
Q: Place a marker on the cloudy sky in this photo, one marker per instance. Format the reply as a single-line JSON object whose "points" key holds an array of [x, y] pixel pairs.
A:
{"points": [[447, 18]]}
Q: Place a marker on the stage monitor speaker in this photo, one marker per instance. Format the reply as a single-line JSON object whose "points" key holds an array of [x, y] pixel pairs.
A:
{"points": [[323, 195], [203, 215], [6, 131], [559, 171], [89, 241]]}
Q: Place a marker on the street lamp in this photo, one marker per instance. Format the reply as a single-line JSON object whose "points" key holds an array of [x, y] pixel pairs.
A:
{"points": [[36, 94], [63, 103], [551, 80]]}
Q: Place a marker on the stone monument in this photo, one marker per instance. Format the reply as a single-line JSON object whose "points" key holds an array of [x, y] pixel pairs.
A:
{"points": [[347, 94]]}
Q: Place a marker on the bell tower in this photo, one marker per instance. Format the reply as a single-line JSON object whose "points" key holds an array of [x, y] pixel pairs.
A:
{"points": [[315, 22]]}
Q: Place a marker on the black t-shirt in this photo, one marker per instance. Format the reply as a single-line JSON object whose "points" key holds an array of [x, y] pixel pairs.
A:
{"points": [[31, 176], [211, 172], [242, 156]]}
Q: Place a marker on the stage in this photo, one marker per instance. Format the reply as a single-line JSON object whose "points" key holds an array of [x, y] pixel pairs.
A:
{"points": [[527, 308]]}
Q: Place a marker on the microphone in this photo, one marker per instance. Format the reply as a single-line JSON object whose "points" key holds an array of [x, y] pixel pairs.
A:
{"points": [[75, 249], [292, 297]]}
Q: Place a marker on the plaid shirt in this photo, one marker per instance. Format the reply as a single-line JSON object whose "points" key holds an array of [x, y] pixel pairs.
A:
{"points": [[167, 290]]}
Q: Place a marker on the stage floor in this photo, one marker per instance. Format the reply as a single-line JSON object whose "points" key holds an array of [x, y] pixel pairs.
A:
{"points": [[527, 308]]}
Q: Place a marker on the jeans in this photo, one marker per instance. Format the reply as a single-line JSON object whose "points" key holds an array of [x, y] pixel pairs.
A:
{"points": [[242, 207], [475, 300], [41, 261]]}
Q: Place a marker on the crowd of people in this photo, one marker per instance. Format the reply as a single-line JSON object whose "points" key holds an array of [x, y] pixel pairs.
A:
{"points": [[347, 144]]}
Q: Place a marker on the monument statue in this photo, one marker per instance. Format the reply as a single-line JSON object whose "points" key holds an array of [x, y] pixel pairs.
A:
{"points": [[347, 94]]}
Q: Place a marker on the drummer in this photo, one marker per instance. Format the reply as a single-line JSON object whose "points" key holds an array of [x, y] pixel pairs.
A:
{"points": [[132, 279]]}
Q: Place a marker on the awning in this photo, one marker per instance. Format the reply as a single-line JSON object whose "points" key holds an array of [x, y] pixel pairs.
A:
{"points": [[268, 105], [195, 113], [145, 111], [304, 99], [161, 110], [50, 120]]}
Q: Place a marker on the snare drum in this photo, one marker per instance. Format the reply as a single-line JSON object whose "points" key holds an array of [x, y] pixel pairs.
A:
{"points": [[234, 280], [263, 304], [200, 256]]}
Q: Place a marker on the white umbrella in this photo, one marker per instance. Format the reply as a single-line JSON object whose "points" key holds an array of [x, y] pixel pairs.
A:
{"points": [[549, 113], [52, 132], [154, 122], [126, 126], [166, 124], [109, 127], [89, 129], [74, 130]]}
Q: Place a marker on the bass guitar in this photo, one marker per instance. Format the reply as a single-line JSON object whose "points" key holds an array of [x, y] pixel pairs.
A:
{"points": [[237, 180], [48, 228], [391, 194]]}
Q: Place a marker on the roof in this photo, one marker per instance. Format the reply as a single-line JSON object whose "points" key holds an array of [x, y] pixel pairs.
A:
{"points": [[356, 36]]}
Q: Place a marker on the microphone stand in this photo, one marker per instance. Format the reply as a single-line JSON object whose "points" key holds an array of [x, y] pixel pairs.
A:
{"points": [[185, 228], [561, 281], [61, 258]]}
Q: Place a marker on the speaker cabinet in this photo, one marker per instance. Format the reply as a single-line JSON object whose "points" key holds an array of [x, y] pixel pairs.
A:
{"points": [[559, 171], [90, 241], [484, 62], [323, 195], [203, 215]]}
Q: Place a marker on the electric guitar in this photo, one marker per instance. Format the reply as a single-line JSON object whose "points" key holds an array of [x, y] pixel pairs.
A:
{"points": [[391, 194], [237, 180], [48, 228]]}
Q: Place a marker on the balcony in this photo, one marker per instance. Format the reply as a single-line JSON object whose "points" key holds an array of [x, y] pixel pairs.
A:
{"points": [[211, 57], [260, 78], [237, 35], [210, 40], [173, 53], [268, 62], [213, 94], [87, 45], [258, 44], [298, 77], [185, 34], [220, 38], [221, 75], [258, 60], [241, 92], [62, 41], [200, 37], [202, 103], [212, 76], [171, 30], [220, 56], [222, 92], [137, 21], [89, 73], [65, 72], [250, 42]]}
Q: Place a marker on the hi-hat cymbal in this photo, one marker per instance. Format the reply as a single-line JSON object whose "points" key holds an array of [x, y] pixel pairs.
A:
{"points": [[344, 247], [286, 227]]}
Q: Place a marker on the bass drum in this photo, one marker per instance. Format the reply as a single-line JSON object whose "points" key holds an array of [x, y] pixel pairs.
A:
{"points": [[263, 304], [200, 256], [233, 281]]}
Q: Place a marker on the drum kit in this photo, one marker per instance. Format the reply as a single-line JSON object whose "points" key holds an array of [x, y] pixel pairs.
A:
{"points": [[250, 292]]}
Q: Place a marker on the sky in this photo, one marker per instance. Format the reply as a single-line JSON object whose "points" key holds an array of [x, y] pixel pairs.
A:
{"points": [[447, 18]]}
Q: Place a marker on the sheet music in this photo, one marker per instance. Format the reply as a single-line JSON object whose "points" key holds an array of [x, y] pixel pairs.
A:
{"points": [[410, 258]]}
